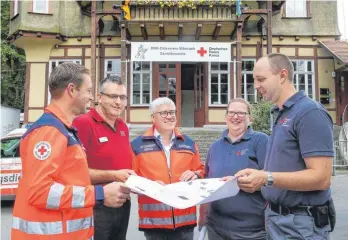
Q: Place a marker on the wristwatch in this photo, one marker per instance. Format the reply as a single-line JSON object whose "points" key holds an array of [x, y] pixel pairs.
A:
{"points": [[99, 194], [269, 182]]}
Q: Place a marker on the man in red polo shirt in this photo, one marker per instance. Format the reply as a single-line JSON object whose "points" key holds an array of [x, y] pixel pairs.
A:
{"points": [[105, 137]]}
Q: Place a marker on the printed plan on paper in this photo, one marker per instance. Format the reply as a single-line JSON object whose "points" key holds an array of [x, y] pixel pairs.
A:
{"points": [[184, 194]]}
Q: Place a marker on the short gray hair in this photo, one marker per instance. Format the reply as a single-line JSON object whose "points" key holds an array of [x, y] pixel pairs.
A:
{"points": [[63, 75], [111, 79], [160, 101], [279, 61]]}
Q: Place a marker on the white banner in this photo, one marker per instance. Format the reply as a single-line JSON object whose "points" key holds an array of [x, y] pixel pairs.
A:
{"points": [[181, 51]]}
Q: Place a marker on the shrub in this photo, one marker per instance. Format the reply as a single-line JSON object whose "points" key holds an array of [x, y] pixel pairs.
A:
{"points": [[261, 116]]}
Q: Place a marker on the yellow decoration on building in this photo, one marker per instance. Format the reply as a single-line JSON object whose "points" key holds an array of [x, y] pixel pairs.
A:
{"points": [[126, 10]]}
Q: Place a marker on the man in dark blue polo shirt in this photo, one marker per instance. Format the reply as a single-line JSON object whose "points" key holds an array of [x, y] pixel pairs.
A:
{"points": [[241, 216], [298, 163]]}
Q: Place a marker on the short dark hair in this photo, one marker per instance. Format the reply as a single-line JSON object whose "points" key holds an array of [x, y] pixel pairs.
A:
{"points": [[63, 75], [111, 79], [279, 61]]}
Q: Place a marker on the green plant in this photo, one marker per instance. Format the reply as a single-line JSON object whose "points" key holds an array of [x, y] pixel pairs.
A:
{"points": [[184, 3], [13, 66], [261, 116]]}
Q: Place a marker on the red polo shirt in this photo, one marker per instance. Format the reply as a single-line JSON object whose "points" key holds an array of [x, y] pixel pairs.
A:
{"points": [[106, 148]]}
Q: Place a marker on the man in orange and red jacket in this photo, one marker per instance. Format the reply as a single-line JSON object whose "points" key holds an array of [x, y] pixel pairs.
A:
{"points": [[165, 155], [55, 197]]}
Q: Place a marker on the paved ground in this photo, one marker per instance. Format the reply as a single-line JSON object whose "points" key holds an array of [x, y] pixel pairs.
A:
{"points": [[339, 192]]}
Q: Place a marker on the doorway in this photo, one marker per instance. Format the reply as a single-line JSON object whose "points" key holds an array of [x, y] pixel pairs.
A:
{"points": [[167, 83], [187, 94], [193, 76], [184, 83]]}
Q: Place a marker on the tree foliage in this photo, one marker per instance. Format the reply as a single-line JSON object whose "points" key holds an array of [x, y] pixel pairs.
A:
{"points": [[12, 64], [261, 116]]}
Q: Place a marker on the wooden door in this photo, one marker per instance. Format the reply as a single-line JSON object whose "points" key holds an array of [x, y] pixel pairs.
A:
{"points": [[342, 96], [199, 106], [167, 83]]}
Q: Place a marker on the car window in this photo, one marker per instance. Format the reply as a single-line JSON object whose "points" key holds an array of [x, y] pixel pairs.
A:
{"points": [[10, 147]]}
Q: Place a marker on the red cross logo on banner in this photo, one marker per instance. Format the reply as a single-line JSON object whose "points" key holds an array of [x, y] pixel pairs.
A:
{"points": [[202, 51], [42, 150]]}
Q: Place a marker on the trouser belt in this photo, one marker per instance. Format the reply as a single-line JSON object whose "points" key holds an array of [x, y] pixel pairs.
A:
{"points": [[283, 210]]}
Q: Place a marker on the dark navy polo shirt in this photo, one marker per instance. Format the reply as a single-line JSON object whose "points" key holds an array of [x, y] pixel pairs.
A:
{"points": [[245, 211], [302, 129]]}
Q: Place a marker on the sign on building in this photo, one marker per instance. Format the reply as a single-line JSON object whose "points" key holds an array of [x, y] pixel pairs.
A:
{"points": [[181, 51]]}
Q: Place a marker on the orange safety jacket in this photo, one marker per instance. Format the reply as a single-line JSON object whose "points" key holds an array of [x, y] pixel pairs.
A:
{"points": [[149, 161], [55, 197]]}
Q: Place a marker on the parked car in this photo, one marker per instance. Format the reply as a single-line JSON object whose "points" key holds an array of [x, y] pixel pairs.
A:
{"points": [[11, 164], [10, 119]]}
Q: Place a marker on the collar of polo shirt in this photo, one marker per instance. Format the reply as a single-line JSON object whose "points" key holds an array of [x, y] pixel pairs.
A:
{"points": [[246, 136], [291, 101]]}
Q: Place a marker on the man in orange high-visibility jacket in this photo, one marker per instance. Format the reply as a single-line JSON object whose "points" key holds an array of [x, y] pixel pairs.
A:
{"points": [[163, 154], [55, 197]]}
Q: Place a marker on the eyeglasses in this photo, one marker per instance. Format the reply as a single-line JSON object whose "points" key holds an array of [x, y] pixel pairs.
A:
{"points": [[115, 96], [165, 113], [239, 114]]}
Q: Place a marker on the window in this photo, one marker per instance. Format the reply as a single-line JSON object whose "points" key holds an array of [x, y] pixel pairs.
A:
{"points": [[249, 93], [219, 83], [53, 64], [199, 85], [10, 147], [40, 6], [112, 67], [141, 83], [304, 76], [167, 81], [296, 8]]}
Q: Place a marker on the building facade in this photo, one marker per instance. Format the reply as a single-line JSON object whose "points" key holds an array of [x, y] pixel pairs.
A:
{"points": [[97, 35]]}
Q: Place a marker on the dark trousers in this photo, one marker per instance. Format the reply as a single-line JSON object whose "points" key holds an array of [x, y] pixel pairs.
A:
{"points": [[111, 223], [182, 234]]}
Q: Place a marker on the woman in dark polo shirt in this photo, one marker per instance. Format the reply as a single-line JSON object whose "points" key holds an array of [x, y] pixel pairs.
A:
{"points": [[241, 216]]}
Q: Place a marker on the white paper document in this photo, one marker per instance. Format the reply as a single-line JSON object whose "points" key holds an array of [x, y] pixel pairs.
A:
{"points": [[184, 194]]}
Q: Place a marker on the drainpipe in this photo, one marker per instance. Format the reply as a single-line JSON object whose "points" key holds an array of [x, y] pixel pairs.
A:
{"points": [[269, 27], [93, 49]]}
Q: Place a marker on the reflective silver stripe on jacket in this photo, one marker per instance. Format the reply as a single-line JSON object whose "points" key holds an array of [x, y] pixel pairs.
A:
{"points": [[156, 207], [92, 238], [167, 221], [40, 228], [54, 196], [185, 218], [79, 224], [78, 198]]}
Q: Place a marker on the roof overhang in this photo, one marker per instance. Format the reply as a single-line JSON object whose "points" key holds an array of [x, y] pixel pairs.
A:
{"points": [[35, 34], [339, 49]]}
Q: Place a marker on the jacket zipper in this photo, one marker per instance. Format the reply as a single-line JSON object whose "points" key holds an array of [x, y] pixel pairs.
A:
{"points": [[170, 180], [169, 175]]}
